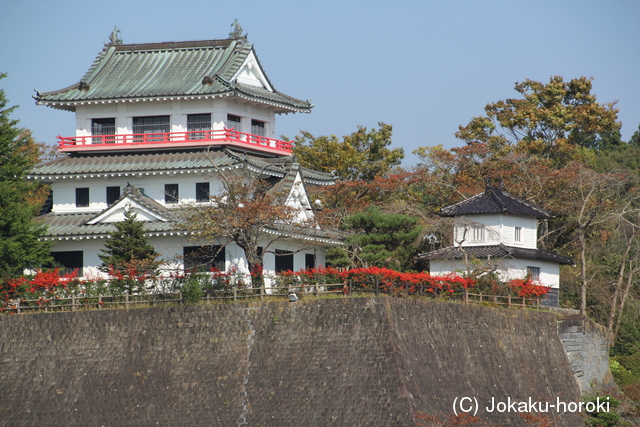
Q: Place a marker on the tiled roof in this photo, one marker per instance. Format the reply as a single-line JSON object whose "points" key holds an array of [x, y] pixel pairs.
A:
{"points": [[74, 226], [168, 70], [495, 200], [166, 162], [496, 251]]}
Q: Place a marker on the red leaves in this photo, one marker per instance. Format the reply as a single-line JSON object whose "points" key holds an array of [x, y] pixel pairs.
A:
{"points": [[528, 288], [44, 284], [384, 276]]}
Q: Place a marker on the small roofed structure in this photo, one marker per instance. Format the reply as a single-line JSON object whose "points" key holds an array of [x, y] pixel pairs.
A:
{"points": [[498, 228]]}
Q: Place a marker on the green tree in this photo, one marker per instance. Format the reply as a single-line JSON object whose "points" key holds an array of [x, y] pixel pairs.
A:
{"points": [[364, 154], [382, 239], [20, 246], [635, 138], [555, 120], [128, 247]]}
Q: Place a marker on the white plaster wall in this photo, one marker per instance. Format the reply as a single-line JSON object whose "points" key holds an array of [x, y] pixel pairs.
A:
{"points": [[498, 229], [124, 112], [510, 269], [64, 195]]}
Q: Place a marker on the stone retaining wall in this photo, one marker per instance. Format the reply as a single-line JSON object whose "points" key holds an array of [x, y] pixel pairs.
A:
{"points": [[344, 362]]}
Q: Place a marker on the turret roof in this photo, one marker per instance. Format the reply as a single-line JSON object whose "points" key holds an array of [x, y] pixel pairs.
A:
{"points": [[495, 200], [171, 70]]}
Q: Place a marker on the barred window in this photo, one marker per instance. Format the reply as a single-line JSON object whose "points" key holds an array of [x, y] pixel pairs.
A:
{"points": [[478, 233], [171, 194], [258, 128], [517, 234], [533, 273], [152, 124], [196, 122], [101, 127], [202, 191], [234, 122]]}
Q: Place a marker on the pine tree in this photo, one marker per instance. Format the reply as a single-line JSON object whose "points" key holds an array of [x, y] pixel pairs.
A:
{"points": [[20, 244], [635, 138], [128, 247]]}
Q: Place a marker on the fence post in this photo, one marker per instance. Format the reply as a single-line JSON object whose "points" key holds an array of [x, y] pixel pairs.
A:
{"points": [[524, 303], [235, 292], [466, 296], [18, 306], [509, 301], [480, 296], [350, 286], [73, 303], [126, 301], [262, 292], [317, 289], [180, 297], [99, 301], [377, 286]]}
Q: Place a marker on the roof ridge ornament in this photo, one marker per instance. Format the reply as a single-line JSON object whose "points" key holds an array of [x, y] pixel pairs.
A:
{"points": [[236, 33], [114, 37]]}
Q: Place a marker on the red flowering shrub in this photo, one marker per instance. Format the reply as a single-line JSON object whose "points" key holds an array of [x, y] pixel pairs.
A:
{"points": [[44, 286], [528, 288]]}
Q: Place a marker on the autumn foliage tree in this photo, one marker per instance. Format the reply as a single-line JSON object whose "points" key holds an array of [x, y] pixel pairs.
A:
{"points": [[241, 213], [554, 120], [363, 155]]}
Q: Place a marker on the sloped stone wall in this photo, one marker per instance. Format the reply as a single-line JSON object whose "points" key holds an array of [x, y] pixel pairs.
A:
{"points": [[343, 362], [587, 347]]}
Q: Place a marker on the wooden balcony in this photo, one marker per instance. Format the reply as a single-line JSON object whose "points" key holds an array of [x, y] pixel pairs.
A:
{"points": [[175, 140]]}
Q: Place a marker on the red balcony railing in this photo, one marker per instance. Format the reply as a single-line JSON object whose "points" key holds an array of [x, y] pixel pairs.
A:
{"points": [[177, 139]]}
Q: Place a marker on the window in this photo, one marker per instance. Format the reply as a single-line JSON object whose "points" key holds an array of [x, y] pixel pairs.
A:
{"points": [[309, 261], [234, 122], [533, 273], [203, 258], [171, 194], [478, 233], [103, 127], [258, 128], [202, 191], [152, 124], [284, 260], [197, 122], [113, 194], [82, 197], [70, 261], [517, 235]]}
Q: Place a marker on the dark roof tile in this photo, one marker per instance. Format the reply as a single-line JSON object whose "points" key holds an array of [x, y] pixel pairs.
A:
{"points": [[494, 200]]}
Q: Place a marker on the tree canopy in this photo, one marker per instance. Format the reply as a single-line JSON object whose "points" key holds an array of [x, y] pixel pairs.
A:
{"points": [[240, 214], [20, 200], [364, 154], [381, 239], [552, 120]]}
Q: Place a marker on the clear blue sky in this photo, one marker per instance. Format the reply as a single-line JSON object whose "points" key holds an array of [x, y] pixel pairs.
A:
{"points": [[423, 66]]}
